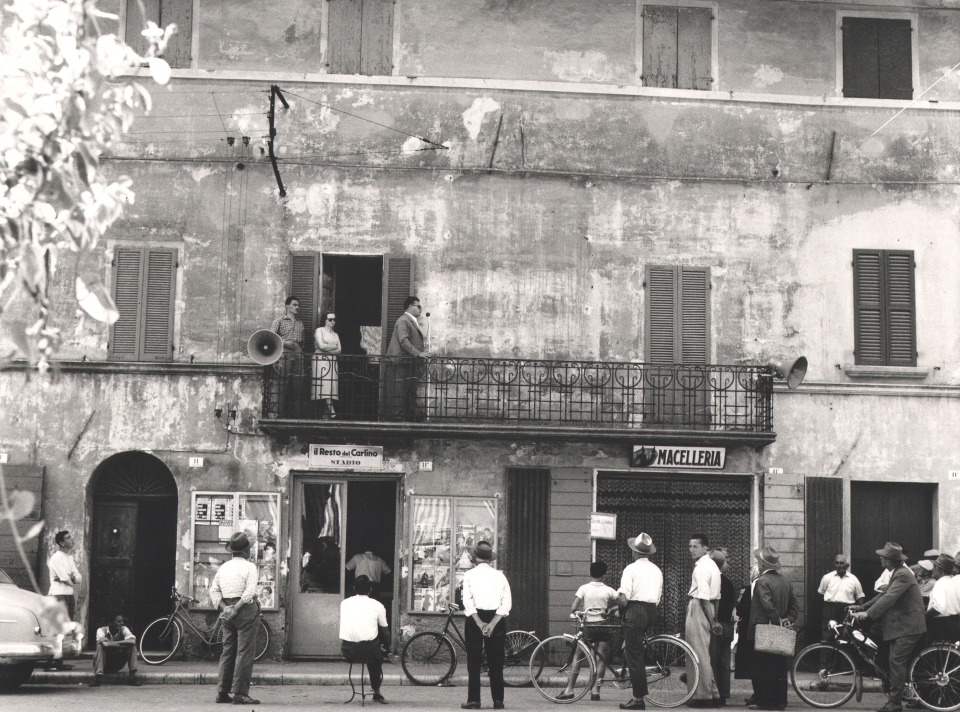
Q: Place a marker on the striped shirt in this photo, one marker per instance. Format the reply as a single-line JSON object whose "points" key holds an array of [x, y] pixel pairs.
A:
{"points": [[236, 578], [288, 328]]}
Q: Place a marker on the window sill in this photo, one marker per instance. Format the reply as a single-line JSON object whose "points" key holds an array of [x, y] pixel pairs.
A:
{"points": [[912, 372]]}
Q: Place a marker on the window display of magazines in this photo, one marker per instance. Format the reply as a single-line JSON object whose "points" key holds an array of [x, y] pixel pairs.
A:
{"points": [[444, 532], [216, 516]]}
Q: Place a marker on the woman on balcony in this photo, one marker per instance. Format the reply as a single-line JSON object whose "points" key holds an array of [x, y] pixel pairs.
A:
{"points": [[326, 375]]}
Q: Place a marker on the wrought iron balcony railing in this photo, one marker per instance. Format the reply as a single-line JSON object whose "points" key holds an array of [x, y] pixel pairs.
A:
{"points": [[520, 392]]}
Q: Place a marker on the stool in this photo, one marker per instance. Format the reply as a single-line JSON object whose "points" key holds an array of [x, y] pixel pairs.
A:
{"points": [[358, 656]]}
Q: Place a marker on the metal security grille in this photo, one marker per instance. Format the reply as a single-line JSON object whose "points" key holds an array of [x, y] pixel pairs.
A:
{"points": [[670, 509]]}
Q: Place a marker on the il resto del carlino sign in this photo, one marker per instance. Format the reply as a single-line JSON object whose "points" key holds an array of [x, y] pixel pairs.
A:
{"points": [[346, 457]]}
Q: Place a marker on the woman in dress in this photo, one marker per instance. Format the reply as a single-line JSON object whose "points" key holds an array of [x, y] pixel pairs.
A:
{"points": [[326, 376]]}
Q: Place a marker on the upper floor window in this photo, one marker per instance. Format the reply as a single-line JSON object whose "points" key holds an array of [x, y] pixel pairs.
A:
{"points": [[360, 37], [877, 57], [144, 287], [678, 315], [163, 12], [677, 47], [885, 313]]}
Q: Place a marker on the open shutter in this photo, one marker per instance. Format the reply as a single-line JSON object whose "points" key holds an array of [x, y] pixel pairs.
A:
{"points": [[661, 314], [659, 46], [159, 290], [179, 13], [136, 22], [861, 72], [694, 315], [124, 334], [901, 326], [527, 550], [694, 69], [895, 59], [304, 285], [376, 42], [823, 527], [398, 284], [868, 307], [344, 36], [27, 478]]}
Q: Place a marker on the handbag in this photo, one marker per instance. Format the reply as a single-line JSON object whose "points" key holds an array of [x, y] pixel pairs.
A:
{"points": [[775, 639]]}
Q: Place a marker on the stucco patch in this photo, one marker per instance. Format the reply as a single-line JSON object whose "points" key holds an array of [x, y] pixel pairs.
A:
{"points": [[473, 117], [767, 75], [574, 66], [198, 174]]}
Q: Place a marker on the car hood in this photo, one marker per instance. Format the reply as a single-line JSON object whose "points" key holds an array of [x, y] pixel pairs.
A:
{"points": [[12, 596]]}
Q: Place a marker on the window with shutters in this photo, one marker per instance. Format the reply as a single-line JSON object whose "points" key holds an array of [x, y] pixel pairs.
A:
{"points": [[877, 56], [885, 313], [678, 315], [144, 289], [360, 36], [163, 12], [678, 46]]}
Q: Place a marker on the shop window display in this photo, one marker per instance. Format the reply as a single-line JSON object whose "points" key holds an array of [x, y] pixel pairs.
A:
{"points": [[445, 531], [216, 517]]}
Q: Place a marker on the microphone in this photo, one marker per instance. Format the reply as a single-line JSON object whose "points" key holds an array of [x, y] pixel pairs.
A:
{"points": [[427, 314]]}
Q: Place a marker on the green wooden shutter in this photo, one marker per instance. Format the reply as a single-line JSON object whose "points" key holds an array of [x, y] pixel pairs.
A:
{"points": [[659, 46], [900, 308], [136, 22], [661, 314], [304, 285], [868, 307], [26, 478], [158, 288], [180, 13], [678, 315], [398, 284], [694, 315], [376, 41], [895, 59], [861, 72], [124, 334], [693, 48], [344, 36]]}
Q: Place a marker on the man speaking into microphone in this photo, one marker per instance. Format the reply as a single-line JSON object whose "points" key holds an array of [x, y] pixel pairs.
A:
{"points": [[405, 364]]}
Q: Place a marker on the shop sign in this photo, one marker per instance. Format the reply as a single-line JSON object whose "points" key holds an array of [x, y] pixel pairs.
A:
{"points": [[603, 525], [346, 457], [698, 458]]}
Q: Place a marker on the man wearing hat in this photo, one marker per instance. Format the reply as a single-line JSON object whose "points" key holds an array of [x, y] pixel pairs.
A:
{"points": [[773, 602], [898, 612], [486, 602], [943, 610], [234, 592], [641, 588], [839, 589]]}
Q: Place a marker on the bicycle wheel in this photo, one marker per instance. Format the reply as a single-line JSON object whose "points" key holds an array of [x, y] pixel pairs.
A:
{"points": [[824, 675], [665, 658], [428, 658], [556, 669], [935, 676], [160, 640], [261, 647], [518, 649]]}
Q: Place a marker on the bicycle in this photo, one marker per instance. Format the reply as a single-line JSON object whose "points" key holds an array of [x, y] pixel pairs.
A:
{"points": [[556, 663], [162, 639], [838, 665], [430, 658]]}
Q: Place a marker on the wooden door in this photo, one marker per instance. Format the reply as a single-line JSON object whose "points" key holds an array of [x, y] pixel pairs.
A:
{"points": [[823, 523], [113, 583]]}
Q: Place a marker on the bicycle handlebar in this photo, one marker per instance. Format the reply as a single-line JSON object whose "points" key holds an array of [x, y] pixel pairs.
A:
{"points": [[177, 596]]}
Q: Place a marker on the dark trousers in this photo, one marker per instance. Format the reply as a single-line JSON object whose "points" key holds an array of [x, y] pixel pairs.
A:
{"points": [[114, 658], [943, 628], [400, 384], [286, 385], [71, 604], [832, 611], [720, 659], [899, 651], [368, 653], [770, 680], [239, 647], [476, 645], [637, 618]]}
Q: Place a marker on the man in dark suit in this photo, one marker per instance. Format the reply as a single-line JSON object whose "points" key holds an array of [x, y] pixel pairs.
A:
{"points": [[405, 352], [773, 601], [899, 617]]}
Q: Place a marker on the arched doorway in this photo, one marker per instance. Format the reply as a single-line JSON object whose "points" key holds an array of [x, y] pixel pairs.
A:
{"points": [[134, 540]]}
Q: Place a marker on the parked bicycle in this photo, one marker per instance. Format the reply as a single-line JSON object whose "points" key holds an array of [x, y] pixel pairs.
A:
{"points": [[828, 674], [564, 667], [430, 658], [162, 639]]}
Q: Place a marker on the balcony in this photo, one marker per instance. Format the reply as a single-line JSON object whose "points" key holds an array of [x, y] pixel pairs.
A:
{"points": [[511, 398]]}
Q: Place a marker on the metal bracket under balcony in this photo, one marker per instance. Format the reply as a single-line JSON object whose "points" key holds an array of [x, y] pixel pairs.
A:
{"points": [[445, 396]]}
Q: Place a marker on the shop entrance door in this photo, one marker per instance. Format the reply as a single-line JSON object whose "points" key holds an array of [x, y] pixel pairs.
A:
{"points": [[333, 519]]}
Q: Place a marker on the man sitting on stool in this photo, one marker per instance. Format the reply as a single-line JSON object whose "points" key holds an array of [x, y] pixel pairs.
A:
{"points": [[116, 647], [363, 624]]}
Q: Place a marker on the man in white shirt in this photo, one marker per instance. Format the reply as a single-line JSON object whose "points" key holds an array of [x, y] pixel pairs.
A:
{"points": [[641, 588], [363, 626], [486, 601], [116, 647], [839, 589], [64, 575], [943, 611], [234, 592], [702, 620]]}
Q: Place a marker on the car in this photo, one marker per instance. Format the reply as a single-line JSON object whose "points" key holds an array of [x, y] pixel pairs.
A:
{"points": [[33, 629]]}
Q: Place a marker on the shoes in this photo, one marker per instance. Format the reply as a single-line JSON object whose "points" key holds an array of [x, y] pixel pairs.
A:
{"points": [[470, 706], [565, 696], [702, 704], [778, 708], [244, 700], [96, 682], [721, 702], [497, 705], [224, 698], [377, 697], [134, 681], [633, 704], [890, 708], [595, 697], [750, 701]]}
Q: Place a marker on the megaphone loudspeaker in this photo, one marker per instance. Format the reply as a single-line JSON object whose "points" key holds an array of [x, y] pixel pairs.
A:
{"points": [[792, 373], [265, 347]]}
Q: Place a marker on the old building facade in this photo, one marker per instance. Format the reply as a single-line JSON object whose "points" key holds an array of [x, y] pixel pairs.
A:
{"points": [[616, 213]]}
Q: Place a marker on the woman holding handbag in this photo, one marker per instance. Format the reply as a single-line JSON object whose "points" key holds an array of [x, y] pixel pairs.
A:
{"points": [[773, 602]]}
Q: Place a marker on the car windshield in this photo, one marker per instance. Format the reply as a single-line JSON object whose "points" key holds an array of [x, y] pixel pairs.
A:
{"points": [[4, 578]]}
